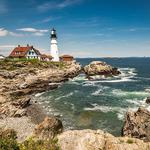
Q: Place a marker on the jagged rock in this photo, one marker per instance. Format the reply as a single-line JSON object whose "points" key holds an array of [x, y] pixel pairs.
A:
{"points": [[100, 68], [137, 124], [148, 100], [19, 113], [48, 128], [22, 103], [98, 140]]}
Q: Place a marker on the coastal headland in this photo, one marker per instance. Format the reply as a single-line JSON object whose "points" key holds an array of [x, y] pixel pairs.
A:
{"points": [[22, 80]]}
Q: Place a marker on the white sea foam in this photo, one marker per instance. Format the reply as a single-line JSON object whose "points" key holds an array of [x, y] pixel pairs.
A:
{"points": [[39, 94], [67, 95], [100, 90], [119, 92], [134, 101], [55, 83], [120, 116], [115, 80], [147, 90], [104, 108], [88, 83], [119, 110], [79, 78]]}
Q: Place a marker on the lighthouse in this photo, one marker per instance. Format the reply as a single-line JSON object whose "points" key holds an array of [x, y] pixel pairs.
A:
{"points": [[54, 47]]}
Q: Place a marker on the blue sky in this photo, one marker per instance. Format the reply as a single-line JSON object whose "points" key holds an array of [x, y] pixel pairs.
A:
{"points": [[85, 28]]}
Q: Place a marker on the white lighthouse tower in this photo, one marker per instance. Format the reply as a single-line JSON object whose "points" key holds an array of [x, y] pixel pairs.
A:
{"points": [[54, 47]]}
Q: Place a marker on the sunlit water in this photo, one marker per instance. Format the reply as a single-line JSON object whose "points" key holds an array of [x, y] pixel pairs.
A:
{"points": [[102, 103]]}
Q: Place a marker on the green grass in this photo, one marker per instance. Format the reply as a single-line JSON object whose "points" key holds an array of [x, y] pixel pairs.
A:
{"points": [[13, 64]]}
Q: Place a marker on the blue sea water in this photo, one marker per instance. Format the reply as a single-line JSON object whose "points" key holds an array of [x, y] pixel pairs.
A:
{"points": [[102, 103]]}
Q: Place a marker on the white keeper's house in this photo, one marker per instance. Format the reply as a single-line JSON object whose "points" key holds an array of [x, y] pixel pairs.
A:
{"points": [[28, 52]]}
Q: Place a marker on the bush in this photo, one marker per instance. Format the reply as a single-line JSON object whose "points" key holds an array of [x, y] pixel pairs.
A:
{"points": [[8, 140], [31, 144], [129, 141]]}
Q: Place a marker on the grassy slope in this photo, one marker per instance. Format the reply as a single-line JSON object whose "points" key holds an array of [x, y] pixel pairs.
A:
{"points": [[11, 65]]}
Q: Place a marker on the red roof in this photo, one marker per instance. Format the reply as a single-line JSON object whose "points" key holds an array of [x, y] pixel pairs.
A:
{"points": [[66, 56], [22, 51]]}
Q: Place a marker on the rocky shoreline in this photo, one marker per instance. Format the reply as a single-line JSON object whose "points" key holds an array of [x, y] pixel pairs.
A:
{"points": [[19, 112], [24, 81]]}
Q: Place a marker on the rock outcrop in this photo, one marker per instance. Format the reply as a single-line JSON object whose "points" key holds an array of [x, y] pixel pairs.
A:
{"points": [[22, 79], [100, 68], [147, 100], [50, 127], [98, 140], [137, 124]]}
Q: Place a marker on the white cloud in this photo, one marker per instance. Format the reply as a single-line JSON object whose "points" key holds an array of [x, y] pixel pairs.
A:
{"points": [[32, 30], [3, 32], [6, 49], [48, 19], [132, 29], [7, 46], [66, 3], [56, 5], [38, 34], [16, 34]]}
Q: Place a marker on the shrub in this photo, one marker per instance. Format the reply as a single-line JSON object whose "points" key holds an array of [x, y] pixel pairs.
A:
{"points": [[8, 140], [31, 144], [129, 141]]}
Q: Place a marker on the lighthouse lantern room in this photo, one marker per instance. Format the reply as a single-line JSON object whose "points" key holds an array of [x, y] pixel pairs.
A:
{"points": [[54, 47]]}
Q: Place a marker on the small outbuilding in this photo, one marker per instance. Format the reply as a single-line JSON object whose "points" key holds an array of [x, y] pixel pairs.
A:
{"points": [[66, 58], [45, 57]]}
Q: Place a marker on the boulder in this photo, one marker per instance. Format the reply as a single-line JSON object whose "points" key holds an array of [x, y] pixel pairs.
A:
{"points": [[48, 128], [100, 68], [98, 140], [137, 124], [148, 100]]}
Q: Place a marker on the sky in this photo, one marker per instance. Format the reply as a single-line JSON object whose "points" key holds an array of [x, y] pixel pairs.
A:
{"points": [[85, 28]]}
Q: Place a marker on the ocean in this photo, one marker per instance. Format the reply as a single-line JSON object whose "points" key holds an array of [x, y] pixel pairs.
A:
{"points": [[102, 103]]}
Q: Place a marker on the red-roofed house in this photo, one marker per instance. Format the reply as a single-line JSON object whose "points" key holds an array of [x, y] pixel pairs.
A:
{"points": [[28, 52]]}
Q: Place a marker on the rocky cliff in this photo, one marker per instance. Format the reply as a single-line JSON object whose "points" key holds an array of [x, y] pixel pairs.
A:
{"points": [[137, 124], [98, 140], [19, 80]]}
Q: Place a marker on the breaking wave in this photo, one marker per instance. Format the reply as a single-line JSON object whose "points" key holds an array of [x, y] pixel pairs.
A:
{"points": [[105, 109], [118, 92], [64, 96]]}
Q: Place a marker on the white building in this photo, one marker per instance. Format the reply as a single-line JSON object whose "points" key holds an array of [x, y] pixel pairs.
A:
{"points": [[28, 52], [54, 46]]}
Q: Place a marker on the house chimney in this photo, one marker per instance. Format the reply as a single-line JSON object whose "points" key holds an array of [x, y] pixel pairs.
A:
{"points": [[18, 45], [27, 45]]}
